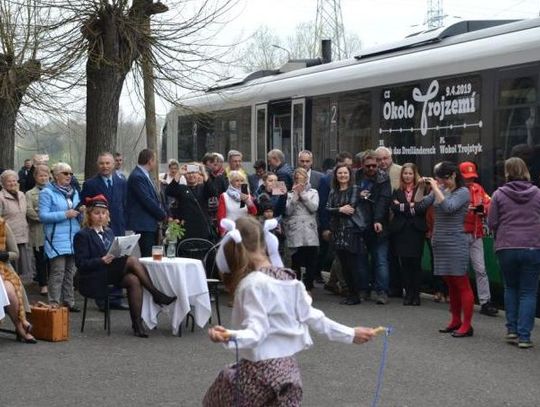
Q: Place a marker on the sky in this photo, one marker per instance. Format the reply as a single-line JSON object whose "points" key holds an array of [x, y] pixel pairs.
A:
{"points": [[374, 21]]}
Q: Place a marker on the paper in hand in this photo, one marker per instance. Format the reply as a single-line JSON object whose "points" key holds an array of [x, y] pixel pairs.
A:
{"points": [[123, 245]]}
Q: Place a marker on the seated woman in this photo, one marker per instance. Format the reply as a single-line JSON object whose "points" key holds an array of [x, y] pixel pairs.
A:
{"points": [[13, 285], [91, 245]]}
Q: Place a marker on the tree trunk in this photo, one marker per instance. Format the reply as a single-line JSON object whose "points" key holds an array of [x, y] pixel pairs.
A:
{"points": [[8, 117], [103, 90], [150, 102]]}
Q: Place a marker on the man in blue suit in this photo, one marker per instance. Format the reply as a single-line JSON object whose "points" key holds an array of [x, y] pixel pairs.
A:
{"points": [[144, 211], [107, 183]]}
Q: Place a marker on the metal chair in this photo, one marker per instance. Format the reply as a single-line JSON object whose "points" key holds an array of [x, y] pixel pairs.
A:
{"points": [[88, 288], [205, 251]]}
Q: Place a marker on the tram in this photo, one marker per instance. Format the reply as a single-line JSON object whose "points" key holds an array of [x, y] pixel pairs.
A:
{"points": [[469, 91]]}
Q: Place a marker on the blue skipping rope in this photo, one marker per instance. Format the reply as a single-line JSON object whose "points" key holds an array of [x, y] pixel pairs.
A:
{"points": [[380, 374], [236, 398]]}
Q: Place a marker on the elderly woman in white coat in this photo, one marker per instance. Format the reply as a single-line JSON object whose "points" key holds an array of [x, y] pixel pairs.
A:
{"points": [[301, 226]]}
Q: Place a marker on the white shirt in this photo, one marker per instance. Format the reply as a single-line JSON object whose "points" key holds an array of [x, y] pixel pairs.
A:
{"points": [[273, 318]]}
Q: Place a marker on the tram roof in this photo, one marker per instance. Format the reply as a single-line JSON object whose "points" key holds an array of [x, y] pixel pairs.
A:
{"points": [[460, 48]]}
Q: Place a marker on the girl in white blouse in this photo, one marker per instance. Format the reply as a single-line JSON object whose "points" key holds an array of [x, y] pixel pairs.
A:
{"points": [[272, 313]]}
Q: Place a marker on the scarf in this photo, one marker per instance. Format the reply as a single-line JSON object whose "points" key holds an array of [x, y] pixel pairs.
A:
{"points": [[67, 191], [234, 193]]}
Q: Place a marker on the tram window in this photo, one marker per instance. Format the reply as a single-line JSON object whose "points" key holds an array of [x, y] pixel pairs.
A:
{"points": [[518, 127], [185, 138], [354, 130], [233, 131], [518, 136], [517, 91]]}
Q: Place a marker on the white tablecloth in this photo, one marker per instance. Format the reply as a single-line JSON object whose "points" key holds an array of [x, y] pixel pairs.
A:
{"points": [[184, 278], [4, 300]]}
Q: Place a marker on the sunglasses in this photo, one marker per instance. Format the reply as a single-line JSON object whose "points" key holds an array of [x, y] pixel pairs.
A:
{"points": [[67, 174], [371, 166]]}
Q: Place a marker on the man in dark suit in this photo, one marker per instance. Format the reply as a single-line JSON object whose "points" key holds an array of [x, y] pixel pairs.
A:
{"points": [[255, 180], [114, 188], [107, 183], [118, 162], [144, 211], [305, 160]]}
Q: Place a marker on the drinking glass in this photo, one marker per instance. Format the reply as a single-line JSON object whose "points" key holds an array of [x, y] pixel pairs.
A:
{"points": [[157, 253]]}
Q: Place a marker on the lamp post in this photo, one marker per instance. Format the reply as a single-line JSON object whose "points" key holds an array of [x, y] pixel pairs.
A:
{"points": [[283, 49]]}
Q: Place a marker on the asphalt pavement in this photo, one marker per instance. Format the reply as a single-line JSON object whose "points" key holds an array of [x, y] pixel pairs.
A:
{"points": [[423, 367]]}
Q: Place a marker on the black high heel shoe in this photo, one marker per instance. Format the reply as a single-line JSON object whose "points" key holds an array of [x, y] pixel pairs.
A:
{"points": [[457, 334], [23, 338], [162, 299], [449, 329], [138, 329], [28, 328]]}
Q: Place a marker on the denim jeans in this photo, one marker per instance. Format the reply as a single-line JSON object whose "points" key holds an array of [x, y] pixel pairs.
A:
{"points": [[520, 269], [378, 251]]}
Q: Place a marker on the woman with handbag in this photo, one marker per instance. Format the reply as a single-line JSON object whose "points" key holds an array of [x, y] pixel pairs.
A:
{"points": [[14, 287], [347, 234], [408, 228]]}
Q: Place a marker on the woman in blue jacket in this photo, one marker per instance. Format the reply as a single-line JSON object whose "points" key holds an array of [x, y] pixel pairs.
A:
{"points": [[98, 269], [57, 203]]}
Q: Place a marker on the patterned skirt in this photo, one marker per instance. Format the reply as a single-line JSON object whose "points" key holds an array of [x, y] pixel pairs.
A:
{"points": [[272, 382]]}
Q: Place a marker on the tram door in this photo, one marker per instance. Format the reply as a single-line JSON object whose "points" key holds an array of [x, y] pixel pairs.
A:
{"points": [[286, 128]]}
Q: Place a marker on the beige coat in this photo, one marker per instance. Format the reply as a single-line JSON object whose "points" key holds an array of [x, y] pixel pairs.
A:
{"points": [[301, 220], [14, 212], [36, 236]]}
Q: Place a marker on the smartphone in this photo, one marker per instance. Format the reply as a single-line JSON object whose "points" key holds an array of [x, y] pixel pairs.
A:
{"points": [[192, 168], [244, 190]]}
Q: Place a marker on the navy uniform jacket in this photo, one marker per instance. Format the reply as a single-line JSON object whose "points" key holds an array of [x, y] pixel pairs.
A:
{"points": [[144, 209], [89, 249], [116, 198]]}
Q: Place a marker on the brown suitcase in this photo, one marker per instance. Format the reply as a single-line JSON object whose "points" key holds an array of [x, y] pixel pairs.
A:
{"points": [[49, 324]]}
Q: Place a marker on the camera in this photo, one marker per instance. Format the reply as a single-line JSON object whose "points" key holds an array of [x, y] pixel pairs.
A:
{"points": [[479, 208]]}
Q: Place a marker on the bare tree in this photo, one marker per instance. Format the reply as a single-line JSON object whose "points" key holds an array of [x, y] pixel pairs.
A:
{"points": [[260, 54], [20, 66], [111, 36]]}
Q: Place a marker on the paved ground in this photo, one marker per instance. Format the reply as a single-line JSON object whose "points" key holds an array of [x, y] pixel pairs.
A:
{"points": [[424, 368]]}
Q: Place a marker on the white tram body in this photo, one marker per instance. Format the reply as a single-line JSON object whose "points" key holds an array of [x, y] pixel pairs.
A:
{"points": [[449, 94]]}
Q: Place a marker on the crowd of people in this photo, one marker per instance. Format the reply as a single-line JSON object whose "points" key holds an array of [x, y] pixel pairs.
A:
{"points": [[364, 218]]}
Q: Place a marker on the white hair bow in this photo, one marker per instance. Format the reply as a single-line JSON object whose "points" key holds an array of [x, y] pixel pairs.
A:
{"points": [[272, 242], [232, 233]]}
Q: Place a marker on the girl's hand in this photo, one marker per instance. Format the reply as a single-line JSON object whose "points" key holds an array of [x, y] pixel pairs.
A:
{"points": [[362, 334], [218, 334]]}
